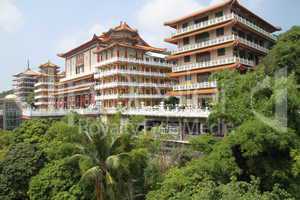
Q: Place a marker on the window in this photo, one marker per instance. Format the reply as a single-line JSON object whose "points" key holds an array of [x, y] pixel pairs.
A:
{"points": [[186, 41], [188, 78], [221, 52], [220, 32], [202, 19], [241, 34], [185, 25], [219, 14], [202, 37], [203, 57], [187, 58]]}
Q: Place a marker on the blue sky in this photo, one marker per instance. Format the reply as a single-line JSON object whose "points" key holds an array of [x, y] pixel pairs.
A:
{"points": [[38, 30]]}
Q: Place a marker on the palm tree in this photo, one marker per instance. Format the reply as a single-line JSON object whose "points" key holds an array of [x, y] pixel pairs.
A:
{"points": [[108, 153]]}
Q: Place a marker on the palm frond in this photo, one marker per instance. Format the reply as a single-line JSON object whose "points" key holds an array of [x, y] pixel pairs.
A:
{"points": [[92, 173], [113, 162]]}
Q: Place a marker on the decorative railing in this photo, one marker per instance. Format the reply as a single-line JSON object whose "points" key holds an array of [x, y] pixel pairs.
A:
{"points": [[254, 27], [44, 103], [73, 76], [129, 96], [41, 96], [208, 43], [102, 74], [43, 83], [253, 45], [131, 60], [75, 87], [204, 24], [44, 90], [130, 84], [213, 63], [155, 111], [222, 19], [212, 84]]}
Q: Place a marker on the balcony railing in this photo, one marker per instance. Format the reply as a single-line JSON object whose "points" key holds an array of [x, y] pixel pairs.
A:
{"points": [[73, 76], [222, 19], [130, 72], [254, 27], [130, 84], [253, 45], [212, 84], [155, 111], [41, 96], [44, 90], [129, 96], [131, 60], [208, 43], [43, 83], [44, 103], [75, 87], [204, 24], [213, 63], [219, 40]]}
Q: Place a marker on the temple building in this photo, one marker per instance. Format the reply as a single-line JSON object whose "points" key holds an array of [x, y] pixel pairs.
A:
{"points": [[222, 36], [24, 84], [46, 86], [115, 68], [130, 72]]}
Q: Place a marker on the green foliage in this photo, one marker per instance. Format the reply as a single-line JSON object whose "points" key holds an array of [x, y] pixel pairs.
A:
{"points": [[285, 54], [56, 181], [21, 162], [203, 143], [5, 93], [30, 99], [32, 131], [7, 139], [171, 101]]}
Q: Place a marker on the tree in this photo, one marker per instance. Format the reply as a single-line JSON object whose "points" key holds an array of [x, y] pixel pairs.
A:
{"points": [[171, 101], [33, 131], [107, 158], [21, 162], [59, 179]]}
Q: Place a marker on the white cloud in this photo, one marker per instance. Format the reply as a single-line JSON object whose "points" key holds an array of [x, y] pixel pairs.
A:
{"points": [[71, 41], [154, 13], [10, 16]]}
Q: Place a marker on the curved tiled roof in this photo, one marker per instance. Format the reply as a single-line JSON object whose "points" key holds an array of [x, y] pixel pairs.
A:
{"points": [[28, 72], [48, 64], [216, 6]]}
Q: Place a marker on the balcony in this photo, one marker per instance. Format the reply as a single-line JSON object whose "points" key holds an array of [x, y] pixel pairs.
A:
{"points": [[75, 87], [222, 19], [208, 43], [41, 97], [40, 103], [130, 84], [220, 40], [194, 86], [213, 63], [155, 111], [204, 24], [43, 83], [252, 45], [75, 76], [129, 96], [131, 60], [44, 90], [254, 27], [129, 72]]}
